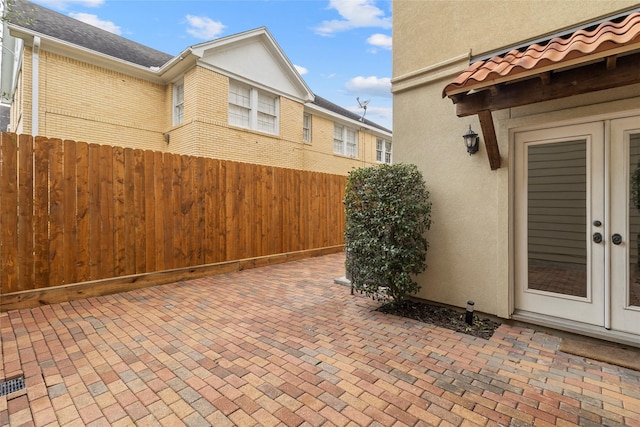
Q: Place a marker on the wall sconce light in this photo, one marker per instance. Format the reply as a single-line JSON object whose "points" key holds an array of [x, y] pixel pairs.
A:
{"points": [[471, 140], [167, 137]]}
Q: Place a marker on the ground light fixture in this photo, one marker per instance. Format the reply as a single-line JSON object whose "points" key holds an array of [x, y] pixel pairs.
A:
{"points": [[471, 140], [468, 315]]}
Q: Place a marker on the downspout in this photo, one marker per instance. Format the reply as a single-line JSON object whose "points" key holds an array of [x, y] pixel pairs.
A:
{"points": [[35, 83]]}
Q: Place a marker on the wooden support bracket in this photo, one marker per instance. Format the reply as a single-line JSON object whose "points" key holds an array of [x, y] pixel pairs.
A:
{"points": [[490, 139]]}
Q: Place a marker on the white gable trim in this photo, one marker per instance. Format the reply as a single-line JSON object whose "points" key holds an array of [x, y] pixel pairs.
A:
{"points": [[278, 74]]}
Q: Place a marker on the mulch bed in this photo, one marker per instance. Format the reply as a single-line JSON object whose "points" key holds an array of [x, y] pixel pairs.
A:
{"points": [[445, 317]]}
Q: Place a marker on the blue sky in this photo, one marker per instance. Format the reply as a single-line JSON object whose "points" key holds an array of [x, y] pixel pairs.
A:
{"points": [[342, 48]]}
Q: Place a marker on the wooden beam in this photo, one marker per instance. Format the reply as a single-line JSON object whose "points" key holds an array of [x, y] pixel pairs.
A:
{"points": [[58, 294], [490, 139], [576, 81], [611, 62]]}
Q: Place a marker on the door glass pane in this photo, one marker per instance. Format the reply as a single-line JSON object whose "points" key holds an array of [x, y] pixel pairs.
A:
{"points": [[556, 217], [634, 219]]}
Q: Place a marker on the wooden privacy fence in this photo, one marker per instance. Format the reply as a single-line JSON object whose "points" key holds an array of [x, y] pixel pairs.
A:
{"points": [[74, 212]]}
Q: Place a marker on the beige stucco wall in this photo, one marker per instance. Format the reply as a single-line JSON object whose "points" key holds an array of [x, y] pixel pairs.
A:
{"points": [[471, 252]]}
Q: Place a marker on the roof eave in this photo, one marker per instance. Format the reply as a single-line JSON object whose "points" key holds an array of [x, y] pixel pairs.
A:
{"points": [[339, 117], [80, 53]]}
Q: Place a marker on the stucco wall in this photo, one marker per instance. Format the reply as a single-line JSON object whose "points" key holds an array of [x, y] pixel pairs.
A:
{"points": [[471, 253]]}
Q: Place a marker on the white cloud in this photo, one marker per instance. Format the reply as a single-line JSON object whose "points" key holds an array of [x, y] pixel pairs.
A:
{"points": [[92, 19], [380, 40], [372, 86], [63, 4], [203, 27], [355, 14], [301, 70]]}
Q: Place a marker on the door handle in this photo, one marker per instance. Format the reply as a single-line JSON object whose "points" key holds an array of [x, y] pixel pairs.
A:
{"points": [[597, 238], [616, 239]]}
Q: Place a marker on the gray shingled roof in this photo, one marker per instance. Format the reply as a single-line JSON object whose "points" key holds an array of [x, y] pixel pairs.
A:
{"points": [[46, 21], [328, 105]]}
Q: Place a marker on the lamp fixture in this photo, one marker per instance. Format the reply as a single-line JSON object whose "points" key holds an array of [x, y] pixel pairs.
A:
{"points": [[471, 141]]}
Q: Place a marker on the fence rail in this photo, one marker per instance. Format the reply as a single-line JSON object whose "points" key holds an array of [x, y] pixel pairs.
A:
{"points": [[73, 212]]}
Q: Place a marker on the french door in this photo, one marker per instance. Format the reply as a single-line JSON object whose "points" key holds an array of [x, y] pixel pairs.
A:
{"points": [[577, 206]]}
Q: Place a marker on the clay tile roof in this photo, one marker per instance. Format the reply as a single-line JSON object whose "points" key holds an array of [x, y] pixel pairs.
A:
{"points": [[608, 38]]}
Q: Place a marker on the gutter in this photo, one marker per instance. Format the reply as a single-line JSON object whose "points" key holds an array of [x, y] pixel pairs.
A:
{"points": [[35, 85]]}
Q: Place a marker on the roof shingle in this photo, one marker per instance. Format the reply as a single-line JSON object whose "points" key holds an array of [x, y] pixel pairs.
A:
{"points": [[50, 23]]}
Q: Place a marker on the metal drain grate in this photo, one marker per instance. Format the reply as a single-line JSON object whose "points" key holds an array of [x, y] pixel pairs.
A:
{"points": [[11, 386]]}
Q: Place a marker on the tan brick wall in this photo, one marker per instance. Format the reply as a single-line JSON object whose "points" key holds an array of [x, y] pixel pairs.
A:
{"points": [[84, 102]]}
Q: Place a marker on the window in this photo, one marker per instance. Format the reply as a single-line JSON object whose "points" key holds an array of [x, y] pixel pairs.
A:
{"points": [[383, 151], [252, 109], [178, 102], [306, 127], [345, 140]]}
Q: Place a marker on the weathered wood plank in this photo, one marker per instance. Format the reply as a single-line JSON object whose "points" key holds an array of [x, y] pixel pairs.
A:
{"points": [[129, 213], [83, 200], [70, 238], [57, 294], [8, 208], [25, 213], [41, 209], [56, 214], [106, 263], [120, 249], [140, 231], [150, 204]]}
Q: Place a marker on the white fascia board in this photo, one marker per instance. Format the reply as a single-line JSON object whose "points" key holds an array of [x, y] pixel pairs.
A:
{"points": [[177, 66], [323, 112], [86, 55]]}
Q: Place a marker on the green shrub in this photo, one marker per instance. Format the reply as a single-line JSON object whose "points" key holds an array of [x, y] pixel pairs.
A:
{"points": [[387, 213]]}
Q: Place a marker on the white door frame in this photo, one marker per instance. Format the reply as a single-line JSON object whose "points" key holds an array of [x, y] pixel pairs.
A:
{"points": [[587, 309], [615, 315]]}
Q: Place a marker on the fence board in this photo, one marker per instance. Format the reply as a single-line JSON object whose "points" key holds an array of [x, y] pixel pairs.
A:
{"points": [[70, 237], [149, 211], [160, 202], [82, 211], [8, 209], [129, 213], [41, 208], [56, 213], [25, 214], [77, 212], [139, 214], [106, 261], [167, 198], [119, 213], [94, 211]]}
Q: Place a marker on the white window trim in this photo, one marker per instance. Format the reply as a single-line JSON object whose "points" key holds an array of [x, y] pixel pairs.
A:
{"points": [[306, 130], [345, 131], [177, 105], [253, 109], [384, 151]]}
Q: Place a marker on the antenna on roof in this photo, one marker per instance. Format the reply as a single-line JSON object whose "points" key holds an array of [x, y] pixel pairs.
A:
{"points": [[363, 105]]}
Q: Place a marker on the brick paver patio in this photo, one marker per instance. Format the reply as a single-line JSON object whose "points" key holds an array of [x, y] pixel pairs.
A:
{"points": [[284, 345]]}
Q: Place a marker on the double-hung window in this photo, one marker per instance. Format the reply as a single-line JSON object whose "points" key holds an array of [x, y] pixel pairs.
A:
{"points": [[383, 151], [253, 109], [306, 128], [178, 103], [345, 140]]}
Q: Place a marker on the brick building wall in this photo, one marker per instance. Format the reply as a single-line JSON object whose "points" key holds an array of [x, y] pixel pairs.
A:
{"points": [[84, 102]]}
